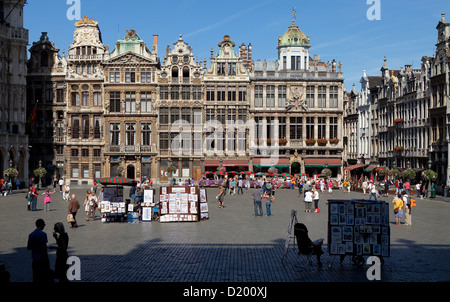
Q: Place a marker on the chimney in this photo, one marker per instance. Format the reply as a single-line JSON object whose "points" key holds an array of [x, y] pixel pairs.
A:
{"points": [[155, 43], [249, 60]]}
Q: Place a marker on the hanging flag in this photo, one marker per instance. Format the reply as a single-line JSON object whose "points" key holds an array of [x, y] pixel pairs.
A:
{"points": [[33, 114]]}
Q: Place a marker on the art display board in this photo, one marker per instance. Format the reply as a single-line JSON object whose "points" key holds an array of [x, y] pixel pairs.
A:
{"points": [[358, 227], [180, 203], [147, 205], [113, 208]]}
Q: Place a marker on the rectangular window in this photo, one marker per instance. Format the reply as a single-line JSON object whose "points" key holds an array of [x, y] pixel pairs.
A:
{"points": [[74, 152], [221, 116], [321, 97], [164, 92], [130, 102], [85, 98], [186, 115], [75, 127], [221, 68], [282, 96], [333, 97], [242, 93], [75, 99], [296, 127], [85, 169], [186, 93], [310, 96], [114, 101], [230, 141], [309, 128], [163, 116], [270, 96], [146, 102], [282, 127], [174, 93], [130, 134], [258, 96], [210, 116], [210, 93], [97, 127], [146, 134], [221, 93], [164, 141], [146, 76], [231, 68], [114, 75], [85, 152], [333, 124], [85, 119], [97, 99], [60, 95], [197, 93], [321, 127], [174, 115], [114, 132], [130, 75], [231, 93], [242, 115], [75, 170]]}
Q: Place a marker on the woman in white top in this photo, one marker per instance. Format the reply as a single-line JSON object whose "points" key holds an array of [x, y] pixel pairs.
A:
{"points": [[316, 200], [308, 201]]}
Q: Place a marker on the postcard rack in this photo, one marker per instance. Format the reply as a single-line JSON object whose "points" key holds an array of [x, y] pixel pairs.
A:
{"points": [[182, 204], [358, 228]]}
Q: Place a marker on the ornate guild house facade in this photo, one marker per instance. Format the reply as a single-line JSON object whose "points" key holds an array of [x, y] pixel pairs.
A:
{"points": [[123, 112]]}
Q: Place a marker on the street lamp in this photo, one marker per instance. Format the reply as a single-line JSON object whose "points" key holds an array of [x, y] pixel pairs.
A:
{"points": [[429, 181], [40, 183]]}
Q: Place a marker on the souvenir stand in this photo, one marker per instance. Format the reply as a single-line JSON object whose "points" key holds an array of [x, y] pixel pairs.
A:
{"points": [[113, 207], [182, 203], [358, 228]]}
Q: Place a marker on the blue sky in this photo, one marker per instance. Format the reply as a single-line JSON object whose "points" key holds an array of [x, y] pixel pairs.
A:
{"points": [[338, 29]]}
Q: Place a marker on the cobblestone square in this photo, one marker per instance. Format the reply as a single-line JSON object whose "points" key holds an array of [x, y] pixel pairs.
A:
{"points": [[232, 246]]}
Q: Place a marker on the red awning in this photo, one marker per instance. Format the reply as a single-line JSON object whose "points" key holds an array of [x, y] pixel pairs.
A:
{"points": [[322, 162], [212, 163], [235, 163], [269, 162], [353, 167]]}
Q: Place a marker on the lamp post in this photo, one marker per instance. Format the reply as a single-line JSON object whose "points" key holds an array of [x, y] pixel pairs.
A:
{"points": [[429, 181], [40, 182]]}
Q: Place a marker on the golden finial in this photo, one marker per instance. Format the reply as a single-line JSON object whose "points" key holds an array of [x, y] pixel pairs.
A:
{"points": [[293, 10]]}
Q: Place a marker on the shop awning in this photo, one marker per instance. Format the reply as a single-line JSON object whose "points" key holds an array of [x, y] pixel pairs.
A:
{"points": [[116, 181], [269, 162], [370, 168], [354, 167], [322, 162], [235, 163], [212, 163]]}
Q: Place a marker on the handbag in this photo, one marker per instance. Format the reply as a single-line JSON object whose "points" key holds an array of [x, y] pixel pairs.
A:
{"points": [[70, 218], [395, 211]]}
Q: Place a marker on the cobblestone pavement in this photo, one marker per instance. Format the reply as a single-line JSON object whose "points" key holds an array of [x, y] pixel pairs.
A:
{"points": [[232, 246]]}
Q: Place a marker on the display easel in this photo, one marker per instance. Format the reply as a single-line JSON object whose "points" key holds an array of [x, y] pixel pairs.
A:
{"points": [[358, 228], [182, 204]]}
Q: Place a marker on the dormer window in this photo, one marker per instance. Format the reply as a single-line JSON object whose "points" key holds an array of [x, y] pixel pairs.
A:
{"points": [[44, 59]]}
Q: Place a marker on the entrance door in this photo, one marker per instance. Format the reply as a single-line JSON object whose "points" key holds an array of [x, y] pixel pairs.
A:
{"points": [[295, 168], [130, 171]]}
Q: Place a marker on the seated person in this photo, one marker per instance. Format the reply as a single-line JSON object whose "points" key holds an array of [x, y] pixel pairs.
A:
{"points": [[305, 245]]}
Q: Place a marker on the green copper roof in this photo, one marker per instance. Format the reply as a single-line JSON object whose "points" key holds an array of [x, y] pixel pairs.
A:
{"points": [[293, 37]]}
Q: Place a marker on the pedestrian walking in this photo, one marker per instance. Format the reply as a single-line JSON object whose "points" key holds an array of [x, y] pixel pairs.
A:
{"points": [[308, 201], [55, 182], [29, 197], [365, 185], [220, 196], [372, 191], [330, 187], [74, 205], [316, 201], [398, 209], [256, 196], [37, 243], [386, 188], [34, 198], [47, 199], [62, 242], [408, 203], [61, 183], [90, 205]]}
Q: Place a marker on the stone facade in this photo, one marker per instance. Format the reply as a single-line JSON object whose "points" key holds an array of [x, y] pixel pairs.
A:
{"points": [[14, 151], [129, 114]]}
